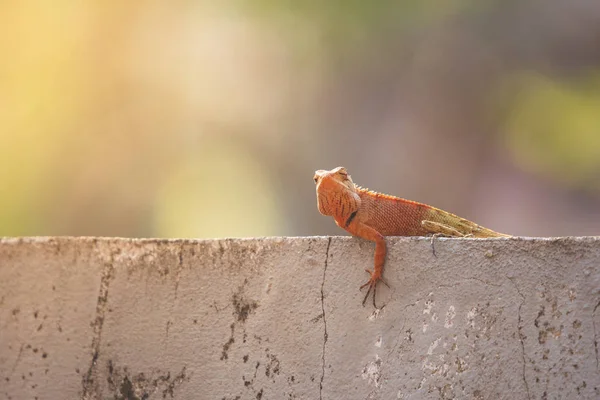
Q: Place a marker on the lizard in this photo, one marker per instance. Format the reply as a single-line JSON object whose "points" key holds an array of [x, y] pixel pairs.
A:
{"points": [[372, 216]]}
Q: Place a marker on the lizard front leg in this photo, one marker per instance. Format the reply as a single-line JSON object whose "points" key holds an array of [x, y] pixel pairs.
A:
{"points": [[366, 232]]}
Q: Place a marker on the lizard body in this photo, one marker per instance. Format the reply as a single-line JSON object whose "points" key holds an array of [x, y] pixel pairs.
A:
{"points": [[372, 216]]}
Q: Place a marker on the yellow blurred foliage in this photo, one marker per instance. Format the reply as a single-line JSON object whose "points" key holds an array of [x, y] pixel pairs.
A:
{"points": [[221, 191], [554, 128]]}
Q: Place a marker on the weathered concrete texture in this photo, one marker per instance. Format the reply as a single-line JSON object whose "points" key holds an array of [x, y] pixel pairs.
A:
{"points": [[281, 318]]}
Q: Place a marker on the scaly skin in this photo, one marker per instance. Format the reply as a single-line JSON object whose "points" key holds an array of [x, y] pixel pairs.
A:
{"points": [[372, 216]]}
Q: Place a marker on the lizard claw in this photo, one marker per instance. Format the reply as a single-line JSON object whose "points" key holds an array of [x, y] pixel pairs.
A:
{"points": [[372, 284]]}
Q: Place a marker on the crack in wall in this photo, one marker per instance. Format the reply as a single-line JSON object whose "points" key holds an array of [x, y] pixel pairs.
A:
{"points": [[595, 335], [324, 320], [179, 269], [519, 326], [520, 334], [21, 353], [90, 386], [466, 279], [178, 272]]}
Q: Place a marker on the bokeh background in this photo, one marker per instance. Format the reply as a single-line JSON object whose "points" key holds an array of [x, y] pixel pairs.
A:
{"points": [[208, 118]]}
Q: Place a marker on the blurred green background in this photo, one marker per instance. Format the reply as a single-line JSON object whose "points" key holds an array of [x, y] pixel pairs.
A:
{"points": [[207, 119]]}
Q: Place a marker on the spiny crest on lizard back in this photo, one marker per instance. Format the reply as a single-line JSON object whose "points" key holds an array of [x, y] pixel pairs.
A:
{"points": [[375, 193], [383, 195]]}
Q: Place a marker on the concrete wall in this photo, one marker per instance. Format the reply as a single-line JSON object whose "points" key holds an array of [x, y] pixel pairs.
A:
{"points": [[281, 318]]}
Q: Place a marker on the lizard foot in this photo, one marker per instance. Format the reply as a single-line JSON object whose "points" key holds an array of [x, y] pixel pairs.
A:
{"points": [[372, 284]]}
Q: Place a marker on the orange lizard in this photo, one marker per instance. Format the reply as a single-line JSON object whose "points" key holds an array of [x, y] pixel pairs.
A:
{"points": [[371, 216]]}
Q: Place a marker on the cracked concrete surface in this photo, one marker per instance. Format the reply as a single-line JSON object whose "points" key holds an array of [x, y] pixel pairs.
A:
{"points": [[521, 337], [324, 319], [275, 318]]}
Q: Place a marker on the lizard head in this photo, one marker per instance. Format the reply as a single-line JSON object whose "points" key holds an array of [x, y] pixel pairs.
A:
{"points": [[336, 193]]}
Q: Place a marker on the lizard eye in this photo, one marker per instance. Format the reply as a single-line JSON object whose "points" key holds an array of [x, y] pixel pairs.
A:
{"points": [[343, 174], [316, 178]]}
